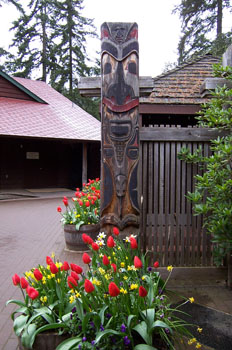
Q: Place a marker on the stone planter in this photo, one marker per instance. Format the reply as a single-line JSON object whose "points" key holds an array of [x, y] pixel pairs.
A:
{"points": [[73, 237], [45, 341]]}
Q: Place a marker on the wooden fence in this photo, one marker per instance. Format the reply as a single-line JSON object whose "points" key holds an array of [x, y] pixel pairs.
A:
{"points": [[170, 231]]}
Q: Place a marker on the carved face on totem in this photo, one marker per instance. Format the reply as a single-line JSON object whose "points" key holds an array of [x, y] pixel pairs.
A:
{"points": [[120, 100]]}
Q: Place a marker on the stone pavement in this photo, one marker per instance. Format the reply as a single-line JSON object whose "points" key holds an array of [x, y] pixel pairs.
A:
{"points": [[30, 229]]}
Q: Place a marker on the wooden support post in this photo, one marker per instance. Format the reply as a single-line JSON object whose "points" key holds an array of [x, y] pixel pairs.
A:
{"points": [[84, 162], [120, 128]]}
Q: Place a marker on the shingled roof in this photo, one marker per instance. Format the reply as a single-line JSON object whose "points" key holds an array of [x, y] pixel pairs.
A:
{"points": [[182, 84], [40, 111]]}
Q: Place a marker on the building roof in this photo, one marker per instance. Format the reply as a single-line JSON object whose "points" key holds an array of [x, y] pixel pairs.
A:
{"points": [[182, 84], [41, 111]]}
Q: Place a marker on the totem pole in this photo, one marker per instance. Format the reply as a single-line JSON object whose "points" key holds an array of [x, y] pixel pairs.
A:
{"points": [[120, 129]]}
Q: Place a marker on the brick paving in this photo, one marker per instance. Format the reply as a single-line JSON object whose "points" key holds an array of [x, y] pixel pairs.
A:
{"points": [[30, 229]]}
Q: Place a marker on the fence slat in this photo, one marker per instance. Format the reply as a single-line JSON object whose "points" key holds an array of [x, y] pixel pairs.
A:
{"points": [[169, 230]]}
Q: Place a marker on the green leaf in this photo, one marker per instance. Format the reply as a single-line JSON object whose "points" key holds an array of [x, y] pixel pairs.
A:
{"points": [[160, 324], [69, 343], [150, 315], [102, 313], [17, 302], [19, 324], [79, 224], [144, 347], [130, 318], [105, 332], [142, 330], [28, 336]]}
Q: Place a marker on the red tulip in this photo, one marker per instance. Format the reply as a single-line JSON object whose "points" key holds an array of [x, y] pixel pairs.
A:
{"points": [[78, 269], [16, 279], [38, 275], [32, 292], [105, 260], [137, 262], [59, 209], [75, 275], [65, 266], [95, 246], [86, 258], [113, 289], [72, 283], [114, 267], [87, 239], [110, 242], [23, 282], [142, 292], [89, 287], [53, 268], [65, 201], [49, 260], [156, 264], [87, 204], [133, 243], [115, 231], [80, 202]]}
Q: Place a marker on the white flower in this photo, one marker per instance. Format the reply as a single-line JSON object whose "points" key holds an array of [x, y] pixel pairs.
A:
{"points": [[101, 236], [127, 239]]}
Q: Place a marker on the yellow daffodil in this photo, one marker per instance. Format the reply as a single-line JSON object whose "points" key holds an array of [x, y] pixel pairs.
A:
{"points": [[192, 341], [78, 295], [191, 300], [199, 330], [198, 346], [125, 278], [170, 268], [101, 270], [122, 264], [53, 255], [123, 291], [96, 282], [71, 299], [44, 299], [134, 286]]}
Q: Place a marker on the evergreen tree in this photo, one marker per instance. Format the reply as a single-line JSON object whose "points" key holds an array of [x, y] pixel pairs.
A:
{"points": [[32, 40], [70, 51], [201, 19]]}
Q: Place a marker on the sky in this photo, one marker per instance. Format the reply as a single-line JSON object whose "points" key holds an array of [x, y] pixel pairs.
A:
{"points": [[159, 29]]}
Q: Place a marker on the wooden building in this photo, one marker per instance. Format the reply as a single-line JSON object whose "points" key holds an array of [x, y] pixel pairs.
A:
{"points": [[45, 139]]}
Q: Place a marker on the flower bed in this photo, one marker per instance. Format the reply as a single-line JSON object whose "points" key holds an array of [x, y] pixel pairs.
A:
{"points": [[116, 302], [85, 206]]}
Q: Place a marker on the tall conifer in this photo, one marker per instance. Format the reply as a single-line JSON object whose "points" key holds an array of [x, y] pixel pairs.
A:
{"points": [[202, 28]]}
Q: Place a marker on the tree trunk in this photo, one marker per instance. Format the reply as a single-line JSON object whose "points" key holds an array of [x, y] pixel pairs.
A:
{"points": [[70, 47], [229, 279], [219, 18], [44, 38]]}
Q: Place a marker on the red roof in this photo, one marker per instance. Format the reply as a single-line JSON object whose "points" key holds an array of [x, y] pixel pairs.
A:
{"points": [[57, 118]]}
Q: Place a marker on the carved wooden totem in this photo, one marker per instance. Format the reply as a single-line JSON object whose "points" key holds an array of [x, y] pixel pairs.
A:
{"points": [[120, 130]]}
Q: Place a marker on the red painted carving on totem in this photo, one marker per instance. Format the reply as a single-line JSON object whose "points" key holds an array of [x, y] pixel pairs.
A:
{"points": [[120, 131]]}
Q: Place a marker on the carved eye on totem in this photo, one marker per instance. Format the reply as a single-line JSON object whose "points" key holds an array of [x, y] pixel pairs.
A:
{"points": [[132, 67], [107, 68]]}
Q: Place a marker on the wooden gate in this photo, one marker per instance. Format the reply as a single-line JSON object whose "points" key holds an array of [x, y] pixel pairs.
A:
{"points": [[169, 230]]}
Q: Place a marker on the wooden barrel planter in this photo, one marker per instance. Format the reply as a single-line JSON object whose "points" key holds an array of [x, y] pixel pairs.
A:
{"points": [[45, 341], [73, 237]]}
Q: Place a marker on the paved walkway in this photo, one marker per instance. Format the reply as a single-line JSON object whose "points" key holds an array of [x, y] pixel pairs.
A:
{"points": [[30, 229]]}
